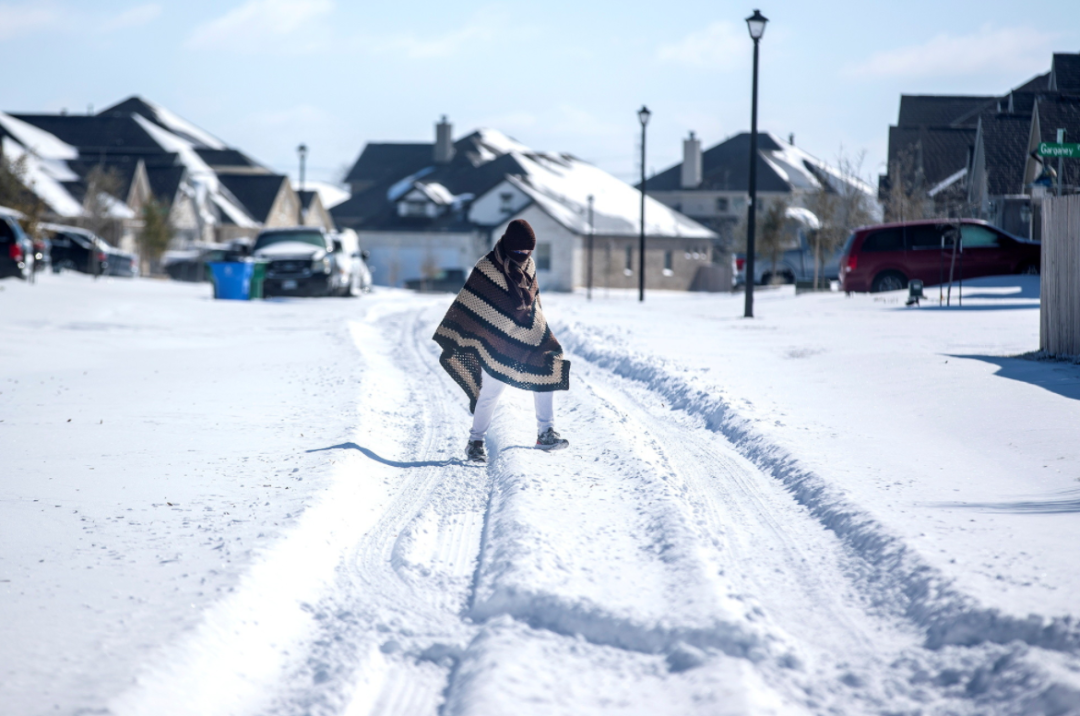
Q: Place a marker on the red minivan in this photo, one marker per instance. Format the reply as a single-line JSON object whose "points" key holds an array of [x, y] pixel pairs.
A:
{"points": [[885, 257]]}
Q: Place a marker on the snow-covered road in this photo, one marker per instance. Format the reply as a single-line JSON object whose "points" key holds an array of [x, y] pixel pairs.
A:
{"points": [[668, 563]]}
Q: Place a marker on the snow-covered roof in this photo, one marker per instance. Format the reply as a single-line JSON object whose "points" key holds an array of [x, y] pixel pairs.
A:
{"points": [[561, 186], [200, 173], [947, 182], [791, 162], [184, 128], [399, 188], [38, 141], [44, 177], [804, 216], [166, 119], [436, 192], [329, 194]]}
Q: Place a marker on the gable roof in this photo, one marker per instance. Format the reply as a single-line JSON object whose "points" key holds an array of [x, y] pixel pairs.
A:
{"points": [[231, 159], [781, 167], [1055, 113], [559, 184], [165, 119], [1004, 139], [93, 134], [1065, 73], [939, 152], [940, 110], [390, 160], [474, 170], [257, 192], [165, 181], [1038, 83]]}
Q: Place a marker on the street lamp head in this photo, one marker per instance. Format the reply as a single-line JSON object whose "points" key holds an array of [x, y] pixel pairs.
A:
{"points": [[643, 115], [756, 25], [302, 149]]}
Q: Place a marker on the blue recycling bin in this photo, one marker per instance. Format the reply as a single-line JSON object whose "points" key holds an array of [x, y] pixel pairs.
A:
{"points": [[232, 279]]}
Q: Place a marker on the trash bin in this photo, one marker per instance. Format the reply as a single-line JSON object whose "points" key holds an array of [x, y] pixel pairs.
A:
{"points": [[258, 275], [232, 279]]}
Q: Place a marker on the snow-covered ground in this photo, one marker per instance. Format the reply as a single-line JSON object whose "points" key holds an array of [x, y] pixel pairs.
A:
{"points": [[841, 506]]}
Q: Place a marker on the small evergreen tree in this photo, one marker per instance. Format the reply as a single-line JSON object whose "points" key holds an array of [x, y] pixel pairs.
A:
{"points": [[154, 236]]}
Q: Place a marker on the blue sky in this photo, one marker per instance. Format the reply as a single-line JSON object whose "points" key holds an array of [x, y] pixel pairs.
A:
{"points": [[265, 75]]}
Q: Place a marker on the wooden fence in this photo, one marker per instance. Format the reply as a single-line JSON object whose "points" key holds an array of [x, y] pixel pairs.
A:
{"points": [[1059, 330]]}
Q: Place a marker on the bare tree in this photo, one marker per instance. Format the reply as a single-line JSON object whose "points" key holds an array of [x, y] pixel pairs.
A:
{"points": [[16, 192], [102, 189], [154, 236], [773, 234], [906, 198], [840, 207]]}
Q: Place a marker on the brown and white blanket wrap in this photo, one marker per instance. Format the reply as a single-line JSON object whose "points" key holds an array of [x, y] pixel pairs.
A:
{"points": [[489, 326]]}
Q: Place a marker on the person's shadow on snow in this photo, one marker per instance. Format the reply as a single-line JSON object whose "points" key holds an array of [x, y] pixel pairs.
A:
{"points": [[392, 463]]}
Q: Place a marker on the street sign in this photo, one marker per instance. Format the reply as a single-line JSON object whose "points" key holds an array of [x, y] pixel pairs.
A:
{"points": [[1059, 149]]}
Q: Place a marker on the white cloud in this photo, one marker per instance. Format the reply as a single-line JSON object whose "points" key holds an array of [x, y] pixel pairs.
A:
{"points": [[132, 17], [720, 46], [265, 25], [16, 20], [418, 48], [987, 51]]}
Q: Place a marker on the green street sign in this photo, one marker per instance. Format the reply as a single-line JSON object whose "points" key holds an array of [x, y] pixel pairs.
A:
{"points": [[1055, 149]]}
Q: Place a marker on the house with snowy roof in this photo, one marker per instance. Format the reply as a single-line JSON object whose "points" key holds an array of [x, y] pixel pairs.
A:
{"points": [[712, 186], [971, 155], [419, 208], [214, 192]]}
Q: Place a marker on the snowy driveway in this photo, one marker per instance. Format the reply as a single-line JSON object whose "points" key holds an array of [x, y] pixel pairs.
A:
{"points": [[273, 517]]}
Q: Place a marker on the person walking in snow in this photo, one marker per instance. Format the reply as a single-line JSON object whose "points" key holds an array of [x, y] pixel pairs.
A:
{"points": [[495, 335]]}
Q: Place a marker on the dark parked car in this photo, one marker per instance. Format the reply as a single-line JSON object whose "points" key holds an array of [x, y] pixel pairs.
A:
{"points": [[191, 264], [80, 250], [887, 256], [16, 248], [446, 281], [304, 261]]}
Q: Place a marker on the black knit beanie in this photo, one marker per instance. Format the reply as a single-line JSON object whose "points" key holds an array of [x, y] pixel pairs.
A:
{"points": [[519, 236]]}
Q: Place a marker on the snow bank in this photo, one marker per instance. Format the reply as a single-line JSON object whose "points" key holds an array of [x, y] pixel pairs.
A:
{"points": [[899, 576]]}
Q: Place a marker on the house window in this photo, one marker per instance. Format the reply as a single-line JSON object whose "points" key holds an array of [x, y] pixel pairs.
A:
{"points": [[722, 205], [629, 261], [507, 205], [668, 256], [413, 208], [542, 256]]}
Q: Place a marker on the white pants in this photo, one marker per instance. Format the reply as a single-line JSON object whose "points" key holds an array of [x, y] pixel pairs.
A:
{"points": [[490, 390]]}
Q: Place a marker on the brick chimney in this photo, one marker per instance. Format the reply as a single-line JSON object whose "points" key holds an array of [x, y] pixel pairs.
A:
{"points": [[444, 142], [691, 163]]}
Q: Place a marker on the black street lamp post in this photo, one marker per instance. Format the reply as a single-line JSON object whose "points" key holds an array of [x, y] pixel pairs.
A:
{"points": [[756, 24], [643, 117], [302, 151]]}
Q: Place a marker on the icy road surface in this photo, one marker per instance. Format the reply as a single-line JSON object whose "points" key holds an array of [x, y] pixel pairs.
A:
{"points": [[679, 559]]}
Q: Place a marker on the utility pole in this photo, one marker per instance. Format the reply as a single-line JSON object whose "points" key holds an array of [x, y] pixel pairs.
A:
{"points": [[592, 240], [302, 151], [1060, 176]]}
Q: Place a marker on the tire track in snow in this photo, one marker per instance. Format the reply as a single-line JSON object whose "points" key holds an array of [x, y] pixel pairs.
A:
{"points": [[391, 628], [920, 665]]}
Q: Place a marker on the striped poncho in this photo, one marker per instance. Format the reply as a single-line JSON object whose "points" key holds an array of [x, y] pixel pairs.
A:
{"points": [[486, 328]]}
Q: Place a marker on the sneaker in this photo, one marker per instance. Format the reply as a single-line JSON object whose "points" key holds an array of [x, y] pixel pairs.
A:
{"points": [[475, 451], [551, 440]]}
